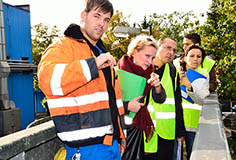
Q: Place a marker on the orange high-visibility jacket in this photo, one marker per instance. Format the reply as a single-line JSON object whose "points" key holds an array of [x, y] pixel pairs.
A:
{"points": [[76, 93]]}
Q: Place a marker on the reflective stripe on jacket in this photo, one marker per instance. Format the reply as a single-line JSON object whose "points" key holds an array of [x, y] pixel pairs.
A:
{"points": [[192, 111], [163, 115], [208, 64]]}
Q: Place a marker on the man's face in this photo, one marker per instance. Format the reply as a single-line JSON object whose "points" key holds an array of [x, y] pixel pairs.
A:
{"points": [[166, 52], [187, 43], [95, 24]]}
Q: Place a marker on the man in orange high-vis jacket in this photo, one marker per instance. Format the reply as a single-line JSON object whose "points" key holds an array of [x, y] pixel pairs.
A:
{"points": [[76, 74]]}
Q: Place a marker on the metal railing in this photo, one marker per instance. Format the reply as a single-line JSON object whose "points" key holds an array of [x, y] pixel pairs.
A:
{"points": [[211, 141]]}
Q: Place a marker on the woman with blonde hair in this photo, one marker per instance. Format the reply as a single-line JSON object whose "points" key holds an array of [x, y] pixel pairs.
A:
{"points": [[139, 61]]}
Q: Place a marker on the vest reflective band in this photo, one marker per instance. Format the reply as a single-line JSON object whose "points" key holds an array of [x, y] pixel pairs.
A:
{"points": [[163, 115], [192, 111], [203, 71], [208, 64], [191, 114]]}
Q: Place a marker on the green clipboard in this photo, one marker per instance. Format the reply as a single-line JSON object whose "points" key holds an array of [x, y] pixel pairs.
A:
{"points": [[131, 85]]}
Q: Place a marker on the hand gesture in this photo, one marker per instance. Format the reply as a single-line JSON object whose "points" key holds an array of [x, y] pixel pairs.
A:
{"points": [[134, 105], [105, 60], [155, 82], [184, 79]]}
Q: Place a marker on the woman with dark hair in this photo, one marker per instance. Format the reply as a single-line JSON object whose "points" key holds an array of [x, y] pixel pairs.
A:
{"points": [[194, 82], [193, 60]]}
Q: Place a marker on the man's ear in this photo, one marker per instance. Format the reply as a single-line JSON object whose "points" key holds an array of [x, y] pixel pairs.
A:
{"points": [[197, 44], [82, 16]]}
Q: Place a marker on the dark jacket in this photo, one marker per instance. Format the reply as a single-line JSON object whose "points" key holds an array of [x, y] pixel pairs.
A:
{"points": [[179, 129]]}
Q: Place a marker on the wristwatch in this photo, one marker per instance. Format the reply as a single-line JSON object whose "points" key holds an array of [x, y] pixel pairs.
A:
{"points": [[190, 89]]}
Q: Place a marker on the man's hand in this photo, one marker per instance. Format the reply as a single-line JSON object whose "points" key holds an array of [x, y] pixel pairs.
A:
{"points": [[105, 60], [181, 138]]}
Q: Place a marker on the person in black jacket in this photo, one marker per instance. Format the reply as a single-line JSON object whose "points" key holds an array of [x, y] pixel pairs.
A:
{"points": [[170, 81]]}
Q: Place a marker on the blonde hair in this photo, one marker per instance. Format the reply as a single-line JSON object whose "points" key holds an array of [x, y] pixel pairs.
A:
{"points": [[139, 42]]}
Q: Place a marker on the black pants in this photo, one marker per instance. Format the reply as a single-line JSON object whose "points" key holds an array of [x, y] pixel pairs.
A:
{"points": [[164, 151]]}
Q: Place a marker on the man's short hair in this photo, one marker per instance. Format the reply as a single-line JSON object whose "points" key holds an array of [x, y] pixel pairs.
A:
{"points": [[162, 40], [103, 5], [194, 37]]}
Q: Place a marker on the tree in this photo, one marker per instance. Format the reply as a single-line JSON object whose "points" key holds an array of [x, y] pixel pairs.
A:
{"points": [[174, 25], [42, 37], [219, 40], [117, 46]]}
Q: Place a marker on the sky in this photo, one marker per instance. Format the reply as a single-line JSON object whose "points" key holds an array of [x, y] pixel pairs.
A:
{"points": [[64, 12]]}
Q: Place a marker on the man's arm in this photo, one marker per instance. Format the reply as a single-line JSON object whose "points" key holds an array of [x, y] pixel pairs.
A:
{"points": [[213, 82], [59, 74], [159, 97], [180, 129]]}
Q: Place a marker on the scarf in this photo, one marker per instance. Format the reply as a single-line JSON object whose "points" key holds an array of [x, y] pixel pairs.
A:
{"points": [[142, 119]]}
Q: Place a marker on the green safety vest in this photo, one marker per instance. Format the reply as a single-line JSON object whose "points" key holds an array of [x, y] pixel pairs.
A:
{"points": [[163, 115], [208, 64], [191, 112]]}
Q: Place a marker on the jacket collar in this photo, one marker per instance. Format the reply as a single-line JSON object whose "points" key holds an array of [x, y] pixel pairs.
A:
{"points": [[74, 31]]}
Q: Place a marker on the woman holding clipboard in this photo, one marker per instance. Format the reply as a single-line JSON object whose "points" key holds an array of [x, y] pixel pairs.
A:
{"points": [[194, 82], [138, 63]]}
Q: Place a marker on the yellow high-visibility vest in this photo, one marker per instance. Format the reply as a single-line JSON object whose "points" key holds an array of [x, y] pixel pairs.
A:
{"points": [[163, 115]]}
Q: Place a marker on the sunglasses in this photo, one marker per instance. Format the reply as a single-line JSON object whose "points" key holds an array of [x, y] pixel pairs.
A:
{"points": [[146, 40]]}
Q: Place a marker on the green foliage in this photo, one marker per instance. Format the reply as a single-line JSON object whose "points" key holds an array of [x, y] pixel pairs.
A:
{"points": [[219, 40], [116, 46], [145, 24], [36, 85], [45, 104], [174, 25], [42, 37], [227, 75]]}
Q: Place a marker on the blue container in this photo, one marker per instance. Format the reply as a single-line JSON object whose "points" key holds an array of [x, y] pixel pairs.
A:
{"points": [[17, 33], [19, 57], [20, 88], [38, 98]]}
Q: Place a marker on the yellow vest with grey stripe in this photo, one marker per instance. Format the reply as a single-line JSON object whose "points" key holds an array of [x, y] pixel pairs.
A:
{"points": [[163, 115], [208, 64], [192, 111]]}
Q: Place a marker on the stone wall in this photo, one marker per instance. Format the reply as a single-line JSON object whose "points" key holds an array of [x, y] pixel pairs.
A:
{"points": [[211, 141], [36, 143]]}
